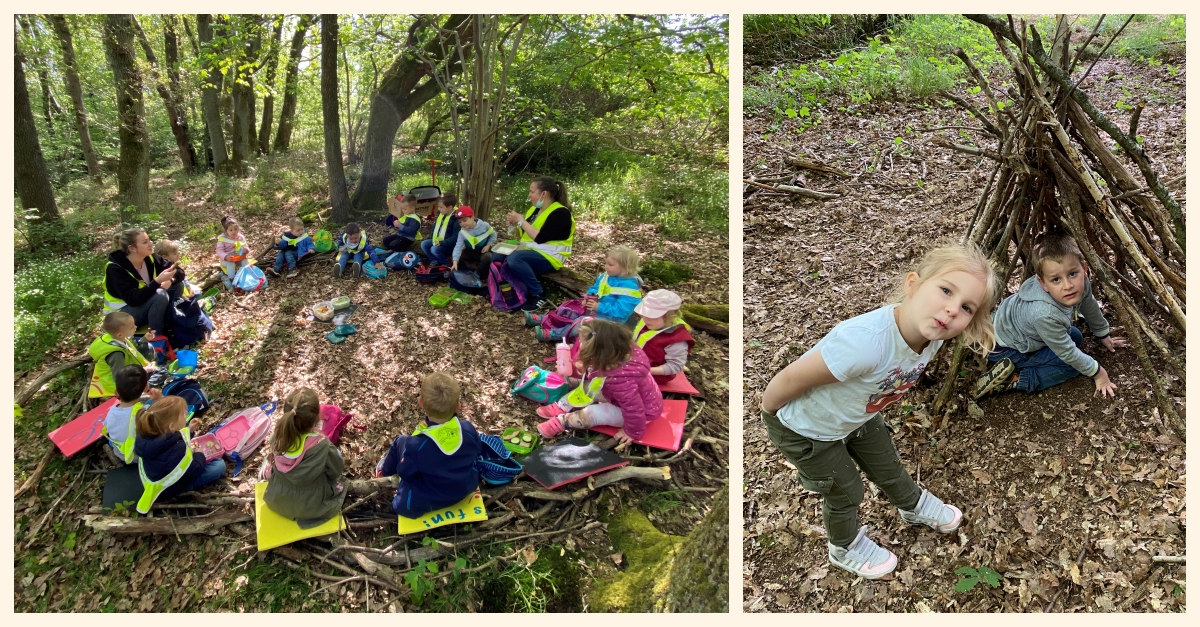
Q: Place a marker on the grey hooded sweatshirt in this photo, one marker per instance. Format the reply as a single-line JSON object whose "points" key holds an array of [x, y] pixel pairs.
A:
{"points": [[1031, 319]]}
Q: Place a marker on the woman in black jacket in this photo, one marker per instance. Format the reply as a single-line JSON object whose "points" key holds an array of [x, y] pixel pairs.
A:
{"points": [[139, 282]]}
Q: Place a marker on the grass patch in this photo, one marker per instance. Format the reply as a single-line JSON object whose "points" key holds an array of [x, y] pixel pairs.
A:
{"points": [[53, 298]]}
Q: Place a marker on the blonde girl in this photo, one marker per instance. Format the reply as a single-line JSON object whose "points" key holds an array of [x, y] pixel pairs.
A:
{"points": [[305, 469], [613, 296], [166, 462]]}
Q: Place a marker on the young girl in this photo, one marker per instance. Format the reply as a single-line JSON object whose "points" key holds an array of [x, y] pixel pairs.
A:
{"points": [[617, 389], [402, 215], [665, 337], [305, 469], [822, 411], [166, 462], [232, 251], [613, 296]]}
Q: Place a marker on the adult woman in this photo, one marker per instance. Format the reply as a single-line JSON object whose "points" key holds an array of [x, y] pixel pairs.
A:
{"points": [[139, 282], [547, 233]]}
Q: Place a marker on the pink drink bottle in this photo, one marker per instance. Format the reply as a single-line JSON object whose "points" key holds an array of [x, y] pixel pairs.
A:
{"points": [[563, 351]]}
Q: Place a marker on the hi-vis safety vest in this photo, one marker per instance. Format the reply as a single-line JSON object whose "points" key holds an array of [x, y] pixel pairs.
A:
{"points": [[102, 384], [293, 241], [354, 248], [151, 489], [125, 448], [447, 436], [476, 241], [237, 243], [605, 290], [298, 447], [650, 333], [440, 226], [112, 303], [585, 394], [556, 252]]}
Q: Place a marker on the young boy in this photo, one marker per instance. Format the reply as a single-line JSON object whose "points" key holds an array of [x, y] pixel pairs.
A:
{"points": [[293, 244], [445, 231], [1037, 347], [436, 463], [402, 216], [474, 235], [112, 351], [353, 244], [134, 391], [169, 250]]}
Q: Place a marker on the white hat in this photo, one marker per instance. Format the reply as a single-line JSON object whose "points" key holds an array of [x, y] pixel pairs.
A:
{"points": [[657, 303]]}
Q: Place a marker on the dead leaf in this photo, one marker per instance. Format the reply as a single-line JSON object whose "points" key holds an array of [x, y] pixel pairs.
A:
{"points": [[617, 558], [1028, 520], [530, 555]]}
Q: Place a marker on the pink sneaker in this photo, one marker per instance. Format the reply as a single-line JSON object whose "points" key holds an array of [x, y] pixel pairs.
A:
{"points": [[932, 512], [551, 427], [550, 411], [863, 557]]}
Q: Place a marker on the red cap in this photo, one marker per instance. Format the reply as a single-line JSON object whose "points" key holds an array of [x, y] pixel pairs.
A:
{"points": [[464, 212]]}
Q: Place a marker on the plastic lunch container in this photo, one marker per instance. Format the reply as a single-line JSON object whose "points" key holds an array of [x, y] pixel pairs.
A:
{"points": [[442, 297], [341, 302], [323, 311]]}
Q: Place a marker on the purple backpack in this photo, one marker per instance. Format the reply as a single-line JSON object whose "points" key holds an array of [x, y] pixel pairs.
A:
{"points": [[564, 316], [506, 294]]}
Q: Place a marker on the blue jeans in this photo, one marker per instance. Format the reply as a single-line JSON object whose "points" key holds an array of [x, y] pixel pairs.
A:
{"points": [[1040, 369], [358, 258], [285, 255], [439, 254], [525, 266], [212, 471]]}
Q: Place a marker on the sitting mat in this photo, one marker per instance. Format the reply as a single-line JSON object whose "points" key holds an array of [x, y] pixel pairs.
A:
{"points": [[122, 485], [664, 432], [567, 460], [275, 530], [679, 384], [470, 509], [77, 434]]}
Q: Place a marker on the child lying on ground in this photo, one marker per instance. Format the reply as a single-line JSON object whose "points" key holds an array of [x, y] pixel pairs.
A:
{"points": [[111, 351], [166, 462], [305, 469], [292, 246], [613, 296], [436, 463], [120, 428]]}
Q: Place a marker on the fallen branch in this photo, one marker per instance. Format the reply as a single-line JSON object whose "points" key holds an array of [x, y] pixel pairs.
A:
{"points": [[33, 479], [792, 189], [166, 525], [1169, 559], [24, 395], [801, 162]]}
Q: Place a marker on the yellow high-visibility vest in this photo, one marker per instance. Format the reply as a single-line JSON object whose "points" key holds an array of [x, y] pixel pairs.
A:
{"points": [[152, 489], [112, 303], [585, 394], [650, 333], [102, 384], [605, 289], [440, 226], [476, 241], [126, 447], [556, 252]]}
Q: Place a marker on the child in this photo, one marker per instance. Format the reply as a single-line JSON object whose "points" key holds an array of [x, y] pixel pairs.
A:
{"points": [[436, 463], [1037, 346], [293, 244], [402, 215], [112, 351], [166, 462], [232, 250], [822, 410], [169, 251], [475, 239], [617, 389], [305, 469], [134, 391], [613, 296], [445, 231], [665, 337], [353, 244]]}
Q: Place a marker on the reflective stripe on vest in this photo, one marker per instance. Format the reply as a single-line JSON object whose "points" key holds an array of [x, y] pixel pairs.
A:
{"points": [[447, 436], [355, 248], [556, 252], [102, 383], [112, 303], [410, 216], [237, 243], [292, 241], [475, 241], [126, 448], [585, 394], [151, 489], [642, 340], [605, 290], [439, 227]]}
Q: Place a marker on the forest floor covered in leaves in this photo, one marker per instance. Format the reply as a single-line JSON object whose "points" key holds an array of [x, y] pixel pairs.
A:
{"points": [[264, 347], [1068, 497]]}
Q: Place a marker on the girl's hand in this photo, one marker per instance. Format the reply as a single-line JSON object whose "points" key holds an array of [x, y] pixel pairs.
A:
{"points": [[579, 367], [590, 304], [1113, 343], [155, 394], [194, 424]]}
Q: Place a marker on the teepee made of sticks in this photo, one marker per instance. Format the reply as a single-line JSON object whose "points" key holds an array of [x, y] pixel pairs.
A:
{"points": [[1053, 170]]}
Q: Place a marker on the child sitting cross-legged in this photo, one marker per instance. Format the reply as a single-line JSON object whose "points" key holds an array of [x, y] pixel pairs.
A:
{"points": [[166, 462], [112, 351], [403, 217], [613, 296], [436, 463], [665, 337], [353, 244], [134, 392], [304, 473], [292, 246], [617, 389], [232, 250]]}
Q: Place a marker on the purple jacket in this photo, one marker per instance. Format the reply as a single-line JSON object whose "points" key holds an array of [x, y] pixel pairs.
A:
{"points": [[632, 389]]}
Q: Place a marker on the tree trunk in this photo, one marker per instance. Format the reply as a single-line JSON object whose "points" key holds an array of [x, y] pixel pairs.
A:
{"points": [[32, 181], [329, 116], [243, 95], [133, 164], [264, 133], [63, 32], [183, 140], [210, 101], [398, 97], [283, 137], [43, 79], [171, 47], [700, 573]]}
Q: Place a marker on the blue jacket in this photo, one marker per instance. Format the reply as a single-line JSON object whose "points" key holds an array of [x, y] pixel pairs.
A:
{"points": [[430, 479], [408, 228], [160, 455], [303, 247], [343, 241], [616, 307]]}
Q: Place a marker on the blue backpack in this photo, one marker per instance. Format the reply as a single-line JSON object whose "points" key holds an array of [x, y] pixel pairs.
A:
{"points": [[189, 391], [540, 386], [495, 463]]}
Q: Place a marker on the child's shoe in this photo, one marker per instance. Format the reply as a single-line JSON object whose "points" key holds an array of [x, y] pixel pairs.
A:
{"points": [[863, 557], [356, 271], [532, 319], [549, 411], [338, 270], [551, 427], [999, 378], [272, 272], [932, 512], [293, 273]]}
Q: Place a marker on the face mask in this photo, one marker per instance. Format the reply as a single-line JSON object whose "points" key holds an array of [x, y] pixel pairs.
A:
{"points": [[539, 204]]}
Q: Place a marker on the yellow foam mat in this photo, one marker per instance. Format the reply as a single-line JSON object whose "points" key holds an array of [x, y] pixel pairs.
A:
{"points": [[275, 530], [469, 509]]}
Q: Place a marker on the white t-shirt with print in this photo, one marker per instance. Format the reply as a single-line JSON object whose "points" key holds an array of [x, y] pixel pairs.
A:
{"points": [[874, 367], [116, 421]]}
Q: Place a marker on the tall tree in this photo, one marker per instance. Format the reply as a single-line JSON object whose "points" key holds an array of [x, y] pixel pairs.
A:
{"points": [[133, 164], [179, 128], [50, 106], [283, 137], [329, 117], [247, 43], [63, 32], [32, 181], [399, 95], [264, 133], [210, 99]]}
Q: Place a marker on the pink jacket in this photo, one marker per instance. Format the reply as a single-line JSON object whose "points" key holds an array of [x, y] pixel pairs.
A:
{"points": [[224, 249], [631, 388]]}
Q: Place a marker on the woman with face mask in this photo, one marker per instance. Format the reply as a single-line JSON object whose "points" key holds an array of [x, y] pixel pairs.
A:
{"points": [[547, 231]]}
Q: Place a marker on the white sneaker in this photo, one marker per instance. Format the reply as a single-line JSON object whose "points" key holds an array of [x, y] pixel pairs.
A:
{"points": [[863, 557], [933, 513]]}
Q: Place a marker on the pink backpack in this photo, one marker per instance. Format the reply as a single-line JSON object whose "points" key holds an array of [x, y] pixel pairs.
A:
{"points": [[242, 433], [563, 316], [333, 422]]}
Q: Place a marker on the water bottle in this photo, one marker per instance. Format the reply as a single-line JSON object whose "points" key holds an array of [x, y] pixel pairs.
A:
{"points": [[563, 351]]}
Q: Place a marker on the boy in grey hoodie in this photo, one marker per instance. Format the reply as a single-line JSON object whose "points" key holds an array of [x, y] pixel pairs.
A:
{"points": [[1037, 346]]}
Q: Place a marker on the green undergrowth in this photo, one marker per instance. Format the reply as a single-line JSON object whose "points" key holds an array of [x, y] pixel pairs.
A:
{"points": [[648, 554]]}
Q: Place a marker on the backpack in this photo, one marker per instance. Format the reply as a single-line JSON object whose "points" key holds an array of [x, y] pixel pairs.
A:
{"points": [[495, 463], [249, 279], [163, 353], [322, 241], [374, 270], [333, 422], [563, 316], [540, 386], [432, 274], [505, 294], [189, 390], [241, 433], [189, 324], [402, 261]]}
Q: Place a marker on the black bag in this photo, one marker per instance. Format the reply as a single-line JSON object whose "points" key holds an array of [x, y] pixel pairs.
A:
{"points": [[431, 274], [189, 391], [189, 324]]}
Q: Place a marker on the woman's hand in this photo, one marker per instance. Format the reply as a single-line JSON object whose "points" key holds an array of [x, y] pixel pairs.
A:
{"points": [[512, 217], [165, 275]]}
